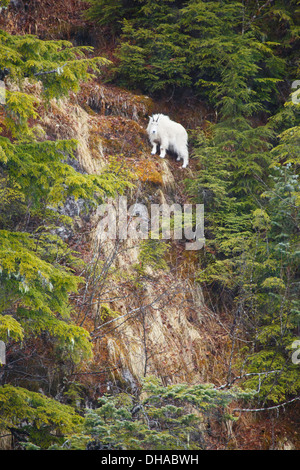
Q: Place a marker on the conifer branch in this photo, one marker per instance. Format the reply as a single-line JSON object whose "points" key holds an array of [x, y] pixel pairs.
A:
{"points": [[275, 407], [58, 70]]}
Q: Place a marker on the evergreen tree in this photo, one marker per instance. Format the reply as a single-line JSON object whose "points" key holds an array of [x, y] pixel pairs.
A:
{"points": [[272, 297], [110, 13], [35, 420], [57, 64], [37, 179], [37, 268], [233, 55], [171, 45], [251, 197], [274, 291], [164, 418]]}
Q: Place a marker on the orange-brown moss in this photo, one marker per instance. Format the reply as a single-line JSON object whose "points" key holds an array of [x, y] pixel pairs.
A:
{"points": [[148, 171]]}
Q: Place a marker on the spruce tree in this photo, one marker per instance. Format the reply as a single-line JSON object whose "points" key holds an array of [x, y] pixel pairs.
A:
{"points": [[37, 268], [170, 417], [273, 257]]}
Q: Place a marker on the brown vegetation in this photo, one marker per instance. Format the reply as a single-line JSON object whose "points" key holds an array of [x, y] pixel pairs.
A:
{"points": [[159, 325]]}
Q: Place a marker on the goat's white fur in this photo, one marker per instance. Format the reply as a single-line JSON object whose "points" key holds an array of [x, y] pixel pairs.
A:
{"points": [[170, 135]]}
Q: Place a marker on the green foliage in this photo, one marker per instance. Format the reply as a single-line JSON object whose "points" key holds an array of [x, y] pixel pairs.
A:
{"points": [[234, 158], [154, 59], [167, 45], [58, 64], [37, 268], [251, 197], [36, 179], [275, 294], [165, 418], [233, 55], [20, 107], [43, 172], [39, 419], [35, 283], [10, 328], [36, 290], [152, 253], [259, 266], [109, 12]]}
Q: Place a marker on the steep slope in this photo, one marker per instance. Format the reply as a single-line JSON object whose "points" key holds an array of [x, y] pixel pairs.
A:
{"points": [[161, 311], [165, 328], [143, 320]]}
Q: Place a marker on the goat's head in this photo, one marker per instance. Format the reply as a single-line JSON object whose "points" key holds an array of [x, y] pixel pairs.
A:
{"points": [[153, 123]]}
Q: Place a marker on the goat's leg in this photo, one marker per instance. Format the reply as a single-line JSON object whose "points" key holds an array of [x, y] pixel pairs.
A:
{"points": [[163, 148], [154, 148]]}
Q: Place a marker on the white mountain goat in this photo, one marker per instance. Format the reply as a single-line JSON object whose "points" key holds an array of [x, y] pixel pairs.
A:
{"points": [[169, 135]]}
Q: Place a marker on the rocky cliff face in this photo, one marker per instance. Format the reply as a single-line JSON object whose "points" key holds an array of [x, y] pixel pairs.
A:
{"points": [[143, 320], [140, 324]]}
